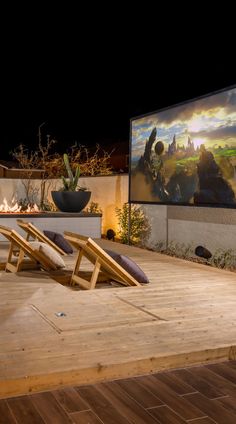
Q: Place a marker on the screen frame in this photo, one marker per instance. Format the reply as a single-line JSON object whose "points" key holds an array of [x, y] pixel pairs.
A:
{"points": [[203, 205]]}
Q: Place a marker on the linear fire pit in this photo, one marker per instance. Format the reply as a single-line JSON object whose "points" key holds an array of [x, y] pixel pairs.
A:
{"points": [[84, 223]]}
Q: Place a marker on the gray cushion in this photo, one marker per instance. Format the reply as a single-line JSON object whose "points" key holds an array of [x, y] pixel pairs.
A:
{"points": [[49, 252], [129, 265], [59, 240]]}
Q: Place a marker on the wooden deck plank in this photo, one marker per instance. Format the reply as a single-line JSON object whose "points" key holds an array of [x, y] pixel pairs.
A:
{"points": [[213, 409], [166, 415], [185, 316], [177, 403], [127, 406], [197, 383], [24, 410], [135, 390], [225, 386], [6, 416], [49, 409], [178, 386], [102, 407], [228, 403], [223, 371], [70, 400], [85, 417]]}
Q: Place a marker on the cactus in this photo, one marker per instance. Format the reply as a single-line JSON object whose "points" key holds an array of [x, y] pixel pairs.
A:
{"points": [[71, 182]]}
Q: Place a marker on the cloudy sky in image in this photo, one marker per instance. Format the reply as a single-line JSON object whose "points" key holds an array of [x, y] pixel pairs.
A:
{"points": [[210, 121]]}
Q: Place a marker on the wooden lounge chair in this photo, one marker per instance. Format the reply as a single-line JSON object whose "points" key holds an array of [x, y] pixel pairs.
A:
{"points": [[28, 257], [35, 233], [100, 259]]}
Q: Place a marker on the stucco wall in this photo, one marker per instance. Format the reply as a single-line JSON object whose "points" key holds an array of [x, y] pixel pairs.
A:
{"points": [[212, 227], [109, 192], [10, 189]]}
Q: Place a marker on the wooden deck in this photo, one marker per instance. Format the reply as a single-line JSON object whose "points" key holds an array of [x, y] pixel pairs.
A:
{"points": [[200, 395], [185, 316]]}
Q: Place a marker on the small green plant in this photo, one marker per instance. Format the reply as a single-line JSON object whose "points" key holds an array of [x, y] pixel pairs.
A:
{"points": [[70, 183], [139, 226], [179, 250], [94, 207], [224, 259], [160, 246]]}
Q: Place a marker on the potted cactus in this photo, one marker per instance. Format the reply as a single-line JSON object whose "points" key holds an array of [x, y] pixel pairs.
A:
{"points": [[71, 197]]}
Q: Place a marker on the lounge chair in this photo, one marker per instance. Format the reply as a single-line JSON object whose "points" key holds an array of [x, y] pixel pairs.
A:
{"points": [[35, 233], [27, 255], [101, 260], [23, 254]]}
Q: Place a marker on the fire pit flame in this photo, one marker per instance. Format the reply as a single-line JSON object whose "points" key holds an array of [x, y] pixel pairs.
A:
{"points": [[16, 208]]}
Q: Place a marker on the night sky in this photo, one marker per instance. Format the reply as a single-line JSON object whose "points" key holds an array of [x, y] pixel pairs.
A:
{"points": [[86, 90]]}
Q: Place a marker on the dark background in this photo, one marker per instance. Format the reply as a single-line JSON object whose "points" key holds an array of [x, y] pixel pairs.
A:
{"points": [[86, 83]]}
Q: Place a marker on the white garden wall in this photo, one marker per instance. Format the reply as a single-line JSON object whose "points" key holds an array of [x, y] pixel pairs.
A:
{"points": [[212, 227]]}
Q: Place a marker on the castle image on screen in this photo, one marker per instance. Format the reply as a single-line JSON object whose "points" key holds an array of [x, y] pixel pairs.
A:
{"points": [[186, 154]]}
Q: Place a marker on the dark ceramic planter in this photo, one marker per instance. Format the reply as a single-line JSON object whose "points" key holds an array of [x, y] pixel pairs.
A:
{"points": [[71, 201]]}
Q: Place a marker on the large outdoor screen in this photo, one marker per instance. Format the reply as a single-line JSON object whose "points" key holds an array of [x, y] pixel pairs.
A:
{"points": [[186, 154]]}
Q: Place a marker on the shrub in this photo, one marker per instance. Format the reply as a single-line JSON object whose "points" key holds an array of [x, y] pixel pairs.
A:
{"points": [[94, 207], [225, 259], [139, 225]]}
